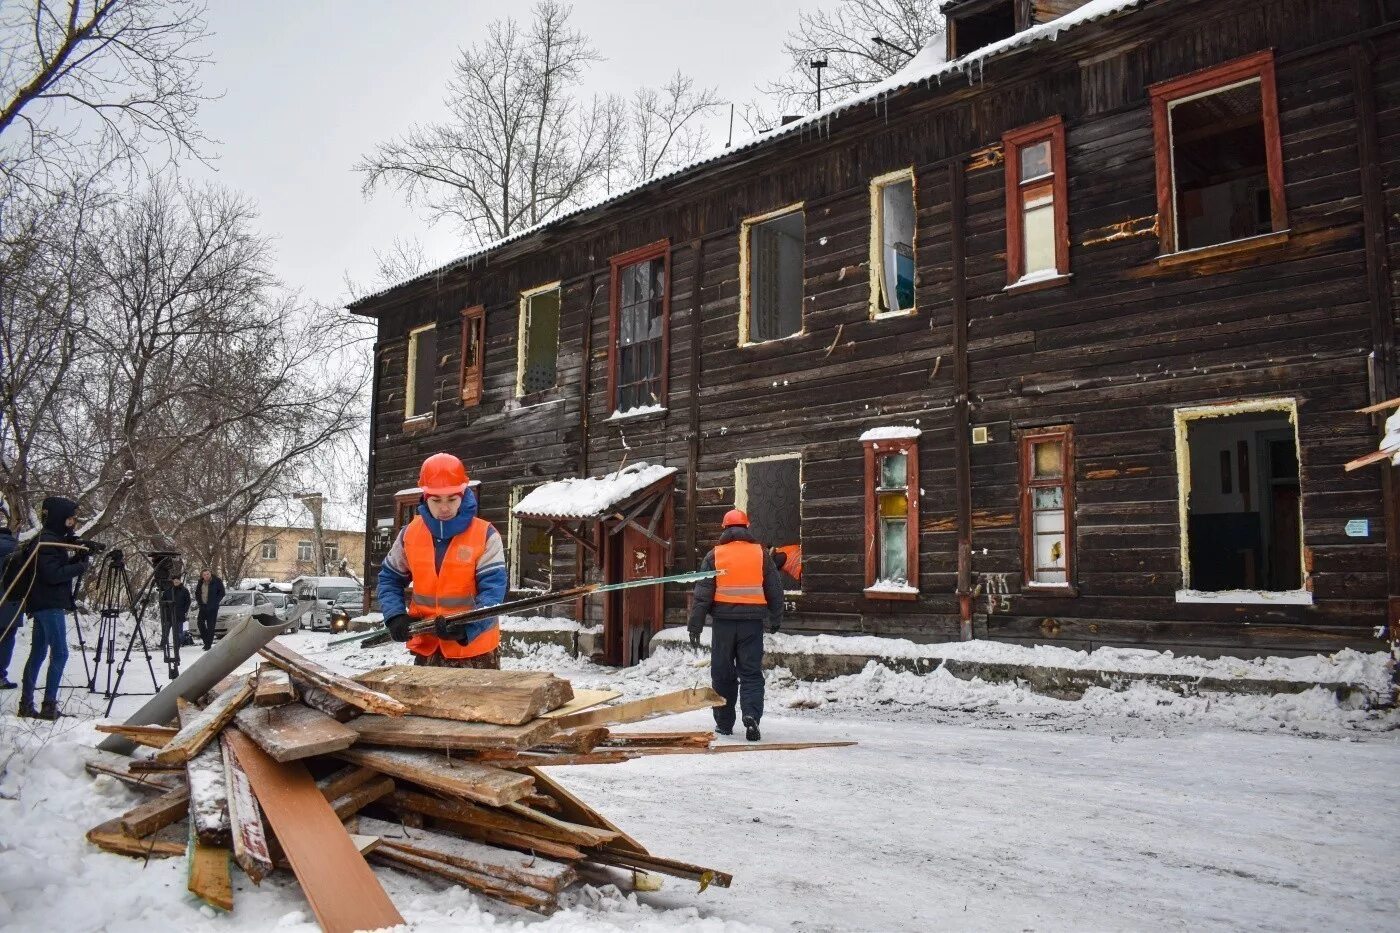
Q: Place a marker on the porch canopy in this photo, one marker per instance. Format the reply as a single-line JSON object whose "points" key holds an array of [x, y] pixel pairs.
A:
{"points": [[634, 496]]}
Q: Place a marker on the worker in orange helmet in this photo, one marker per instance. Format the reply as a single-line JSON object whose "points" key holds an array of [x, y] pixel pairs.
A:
{"points": [[747, 594], [455, 562]]}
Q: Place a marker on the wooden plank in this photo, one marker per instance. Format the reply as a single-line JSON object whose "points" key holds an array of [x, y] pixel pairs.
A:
{"points": [[583, 699], [681, 701], [208, 877], [700, 739], [273, 687], [547, 760], [154, 814], [546, 874], [524, 842], [250, 844], [575, 833], [318, 699], [203, 728], [579, 740], [208, 788], [342, 688], [109, 837], [519, 895], [147, 736], [344, 781], [343, 892], [580, 812], [352, 802], [731, 749], [1379, 406], [469, 779], [655, 863], [506, 698], [292, 731], [448, 734], [155, 783], [1375, 456], [461, 811], [150, 765]]}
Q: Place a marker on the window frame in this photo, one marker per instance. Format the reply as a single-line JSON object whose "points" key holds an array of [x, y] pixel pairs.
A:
{"points": [[514, 552], [662, 249], [1052, 130], [521, 343], [745, 299], [410, 395], [877, 255], [1204, 82], [1027, 439], [473, 318], [741, 496], [330, 552], [263, 547], [874, 450], [310, 549]]}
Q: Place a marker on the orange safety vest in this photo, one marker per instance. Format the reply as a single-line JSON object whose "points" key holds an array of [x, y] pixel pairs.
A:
{"points": [[740, 580], [443, 592], [793, 565]]}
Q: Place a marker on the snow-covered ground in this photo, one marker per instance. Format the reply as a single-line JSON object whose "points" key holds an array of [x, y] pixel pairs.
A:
{"points": [[965, 806]]}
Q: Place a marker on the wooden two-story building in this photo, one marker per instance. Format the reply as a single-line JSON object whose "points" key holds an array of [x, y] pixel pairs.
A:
{"points": [[1061, 340]]}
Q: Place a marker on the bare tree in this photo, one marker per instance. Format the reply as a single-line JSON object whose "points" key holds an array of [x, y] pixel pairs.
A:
{"points": [[844, 38], [519, 144], [95, 78], [662, 128]]}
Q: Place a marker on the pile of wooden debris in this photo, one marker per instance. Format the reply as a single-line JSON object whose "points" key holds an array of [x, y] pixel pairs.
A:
{"points": [[431, 771]]}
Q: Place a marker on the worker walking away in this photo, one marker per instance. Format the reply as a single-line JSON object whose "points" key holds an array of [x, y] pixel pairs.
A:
{"points": [[747, 593], [455, 562]]}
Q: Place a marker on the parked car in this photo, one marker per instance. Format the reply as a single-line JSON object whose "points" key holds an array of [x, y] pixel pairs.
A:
{"points": [[316, 595], [282, 605], [347, 606], [239, 605]]}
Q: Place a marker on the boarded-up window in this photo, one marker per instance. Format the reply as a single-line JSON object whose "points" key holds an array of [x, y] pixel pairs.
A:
{"points": [[639, 299], [892, 243], [1047, 507], [773, 253], [422, 372], [539, 340], [531, 549], [769, 489], [1219, 160], [1037, 212], [892, 517], [473, 354]]}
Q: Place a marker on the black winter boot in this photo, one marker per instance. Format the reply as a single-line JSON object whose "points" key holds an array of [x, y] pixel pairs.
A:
{"points": [[751, 729], [6, 683], [26, 708], [49, 711]]}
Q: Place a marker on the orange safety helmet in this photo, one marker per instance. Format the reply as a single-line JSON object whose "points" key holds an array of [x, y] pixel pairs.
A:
{"points": [[442, 475], [734, 518]]}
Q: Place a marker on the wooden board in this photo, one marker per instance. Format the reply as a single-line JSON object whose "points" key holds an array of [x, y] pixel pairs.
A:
{"points": [[345, 780], [469, 779], [636, 861], [352, 802], [154, 783], [250, 848], [147, 736], [292, 731], [583, 699], [460, 811], [546, 874], [273, 687], [318, 699], [208, 875], [341, 887], [519, 895], [448, 734], [700, 739], [208, 787], [506, 698], [156, 813], [109, 837], [203, 728], [342, 688], [682, 701]]}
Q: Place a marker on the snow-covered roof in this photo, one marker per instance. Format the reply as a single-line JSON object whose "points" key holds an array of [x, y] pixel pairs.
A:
{"points": [[926, 68], [589, 497], [892, 433]]}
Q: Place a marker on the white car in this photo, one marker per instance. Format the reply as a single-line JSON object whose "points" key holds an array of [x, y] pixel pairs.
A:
{"points": [[238, 605]]}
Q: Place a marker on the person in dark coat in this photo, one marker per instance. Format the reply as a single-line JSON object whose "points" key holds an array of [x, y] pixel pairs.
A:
{"points": [[56, 568], [747, 594], [11, 607], [175, 602], [207, 595]]}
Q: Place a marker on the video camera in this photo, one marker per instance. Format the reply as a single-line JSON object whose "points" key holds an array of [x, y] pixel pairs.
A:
{"points": [[168, 566]]}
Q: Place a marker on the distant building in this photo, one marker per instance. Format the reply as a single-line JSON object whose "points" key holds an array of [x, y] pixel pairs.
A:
{"points": [[282, 545]]}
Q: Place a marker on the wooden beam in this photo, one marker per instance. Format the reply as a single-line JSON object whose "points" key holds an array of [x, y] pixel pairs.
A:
{"points": [[208, 875], [1379, 406], [529, 825], [1375, 456], [654, 863], [348, 804], [504, 698], [250, 848], [663, 704], [205, 727], [519, 895], [273, 687], [449, 735], [158, 783], [545, 874], [110, 837], [293, 731], [345, 780], [156, 813], [147, 736], [692, 459], [583, 699], [342, 688], [343, 892], [962, 427], [469, 779], [318, 699], [732, 749], [554, 760], [208, 787], [580, 812]]}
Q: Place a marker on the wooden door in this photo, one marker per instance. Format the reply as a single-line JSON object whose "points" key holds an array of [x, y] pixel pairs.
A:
{"points": [[643, 607]]}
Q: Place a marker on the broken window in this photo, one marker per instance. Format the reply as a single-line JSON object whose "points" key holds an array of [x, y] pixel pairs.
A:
{"points": [[1047, 507], [892, 516], [473, 354], [973, 24], [1037, 209], [1219, 163], [639, 301], [531, 549], [771, 253], [769, 490], [422, 373], [892, 243], [539, 340], [1241, 505]]}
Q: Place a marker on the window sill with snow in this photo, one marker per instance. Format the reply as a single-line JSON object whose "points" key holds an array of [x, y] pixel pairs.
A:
{"points": [[639, 413], [1035, 281], [1247, 597], [890, 589]]}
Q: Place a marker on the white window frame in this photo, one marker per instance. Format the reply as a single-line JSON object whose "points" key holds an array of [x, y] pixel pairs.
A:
{"points": [[1182, 419], [520, 341], [330, 550], [514, 531], [309, 549], [878, 184], [410, 396], [741, 492], [744, 298], [270, 543]]}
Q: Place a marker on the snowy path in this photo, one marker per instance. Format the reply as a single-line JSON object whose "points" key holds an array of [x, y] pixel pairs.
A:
{"points": [[965, 806]]}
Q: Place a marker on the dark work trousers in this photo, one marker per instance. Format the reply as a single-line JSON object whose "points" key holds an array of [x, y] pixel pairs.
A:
{"points": [[207, 615], [736, 669]]}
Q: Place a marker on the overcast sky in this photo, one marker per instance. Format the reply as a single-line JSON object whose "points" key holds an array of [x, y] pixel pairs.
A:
{"points": [[309, 87]]}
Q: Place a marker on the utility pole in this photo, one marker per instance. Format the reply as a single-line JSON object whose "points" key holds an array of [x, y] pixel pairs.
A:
{"points": [[817, 64]]}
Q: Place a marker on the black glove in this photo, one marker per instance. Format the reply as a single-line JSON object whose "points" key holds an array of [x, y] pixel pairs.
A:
{"points": [[443, 629], [773, 627], [694, 638], [398, 626]]}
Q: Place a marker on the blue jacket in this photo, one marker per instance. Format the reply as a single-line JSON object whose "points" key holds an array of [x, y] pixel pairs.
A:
{"points": [[491, 582]]}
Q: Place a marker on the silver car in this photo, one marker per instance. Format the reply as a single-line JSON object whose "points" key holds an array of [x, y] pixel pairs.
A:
{"points": [[238, 605]]}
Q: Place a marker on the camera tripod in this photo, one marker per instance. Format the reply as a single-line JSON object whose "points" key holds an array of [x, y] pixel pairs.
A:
{"points": [[113, 595]]}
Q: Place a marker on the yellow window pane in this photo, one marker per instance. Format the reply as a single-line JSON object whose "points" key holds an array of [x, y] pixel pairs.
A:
{"points": [[1049, 459], [894, 505]]}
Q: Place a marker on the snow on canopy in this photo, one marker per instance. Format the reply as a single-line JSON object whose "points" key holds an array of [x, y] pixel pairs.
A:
{"points": [[589, 497], [891, 433], [928, 67]]}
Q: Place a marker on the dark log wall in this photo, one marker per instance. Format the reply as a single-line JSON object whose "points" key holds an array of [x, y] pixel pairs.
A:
{"points": [[1113, 352]]}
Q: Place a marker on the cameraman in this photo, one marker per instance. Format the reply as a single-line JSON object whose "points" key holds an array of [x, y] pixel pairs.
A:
{"points": [[49, 601]]}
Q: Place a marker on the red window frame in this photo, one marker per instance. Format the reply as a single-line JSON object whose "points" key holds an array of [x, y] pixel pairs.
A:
{"points": [[474, 337], [659, 249], [1259, 65], [1052, 130], [1028, 440], [874, 450]]}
